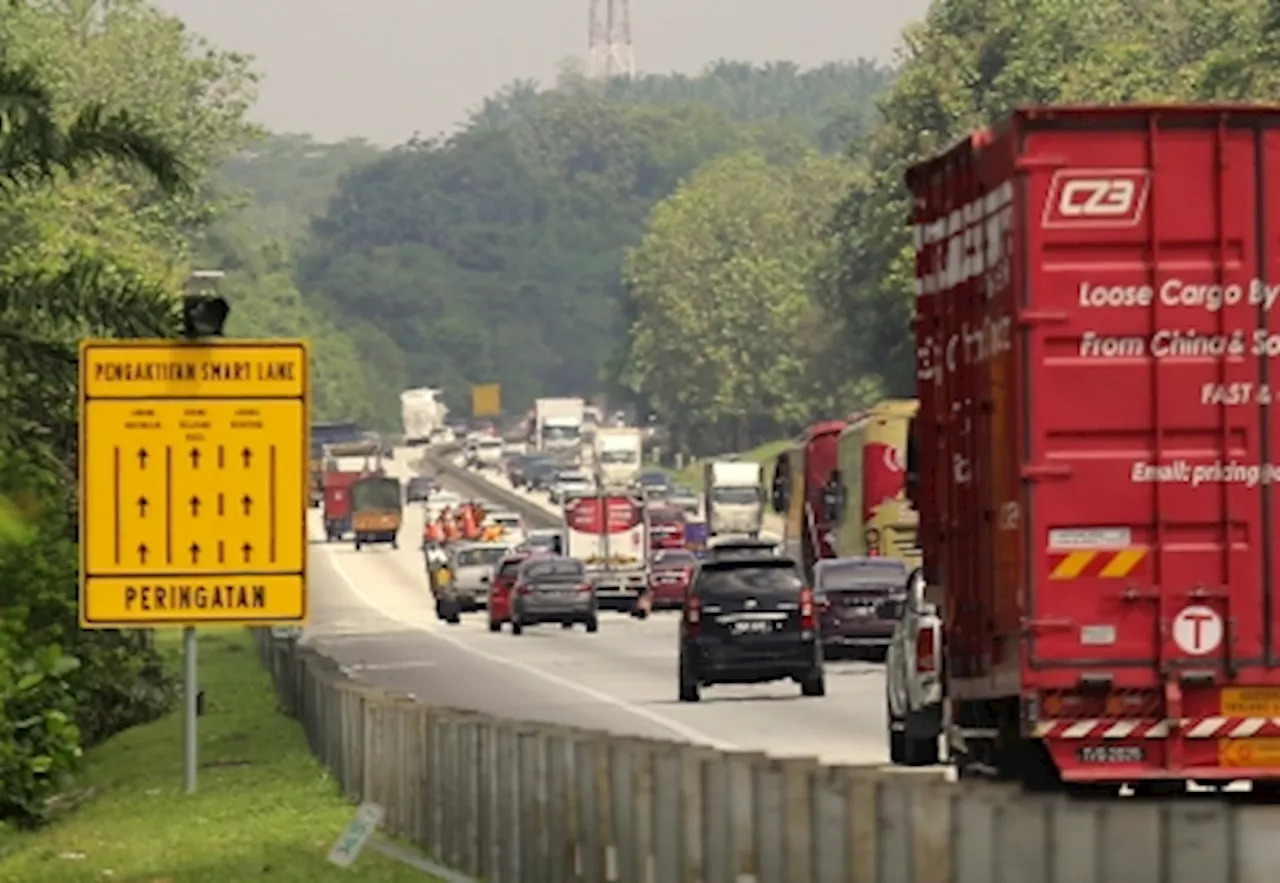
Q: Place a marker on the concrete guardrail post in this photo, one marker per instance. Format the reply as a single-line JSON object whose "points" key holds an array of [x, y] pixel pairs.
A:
{"points": [[666, 820], [741, 780], [799, 777], [595, 861], [437, 786], [1132, 840], [1254, 846], [631, 805], [508, 800], [830, 813], [562, 840], [977, 828], [769, 821], [693, 812], [716, 822], [531, 757], [415, 772], [487, 795], [896, 814], [472, 803]]}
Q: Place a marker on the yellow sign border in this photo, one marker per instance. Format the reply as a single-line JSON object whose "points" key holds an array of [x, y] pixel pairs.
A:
{"points": [[85, 348]]}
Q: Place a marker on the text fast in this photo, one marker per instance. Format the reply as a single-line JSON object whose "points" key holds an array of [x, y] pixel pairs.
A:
{"points": [[1180, 293]]}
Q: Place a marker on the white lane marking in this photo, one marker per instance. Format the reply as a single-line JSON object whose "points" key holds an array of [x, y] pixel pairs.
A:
{"points": [[685, 732]]}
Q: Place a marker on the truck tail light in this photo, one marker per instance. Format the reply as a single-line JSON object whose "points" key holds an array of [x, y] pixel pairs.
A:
{"points": [[807, 620], [926, 651], [693, 614]]}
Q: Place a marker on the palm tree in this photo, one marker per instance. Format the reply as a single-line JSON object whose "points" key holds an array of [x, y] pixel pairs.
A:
{"points": [[43, 315]]}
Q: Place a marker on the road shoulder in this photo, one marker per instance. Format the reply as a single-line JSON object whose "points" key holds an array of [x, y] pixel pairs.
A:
{"points": [[265, 808]]}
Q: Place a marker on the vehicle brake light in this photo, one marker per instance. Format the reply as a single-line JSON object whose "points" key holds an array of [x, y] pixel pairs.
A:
{"points": [[926, 651], [585, 587], [523, 589], [693, 613], [807, 620]]}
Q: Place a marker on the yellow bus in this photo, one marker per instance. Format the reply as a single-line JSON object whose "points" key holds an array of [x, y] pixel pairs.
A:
{"points": [[877, 519]]}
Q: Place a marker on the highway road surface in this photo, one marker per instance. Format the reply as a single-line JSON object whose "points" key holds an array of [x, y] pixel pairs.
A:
{"points": [[371, 612]]}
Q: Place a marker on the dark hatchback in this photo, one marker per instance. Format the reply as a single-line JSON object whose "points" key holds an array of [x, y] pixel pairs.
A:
{"points": [[540, 475], [419, 488], [749, 620], [518, 468], [860, 601]]}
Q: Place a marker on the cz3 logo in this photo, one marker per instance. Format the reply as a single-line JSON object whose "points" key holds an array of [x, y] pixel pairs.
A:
{"points": [[1096, 198]]}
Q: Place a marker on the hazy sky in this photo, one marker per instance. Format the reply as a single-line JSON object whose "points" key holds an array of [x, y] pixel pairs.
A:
{"points": [[383, 69]]}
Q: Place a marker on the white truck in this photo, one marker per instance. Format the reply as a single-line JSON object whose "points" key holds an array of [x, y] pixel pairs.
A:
{"points": [[558, 427], [733, 497], [617, 455], [422, 414], [608, 533]]}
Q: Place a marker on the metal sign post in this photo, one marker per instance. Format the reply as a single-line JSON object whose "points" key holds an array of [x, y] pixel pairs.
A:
{"points": [[190, 709]]}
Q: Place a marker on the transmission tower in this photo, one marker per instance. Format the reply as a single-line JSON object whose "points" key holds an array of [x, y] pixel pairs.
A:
{"points": [[609, 49]]}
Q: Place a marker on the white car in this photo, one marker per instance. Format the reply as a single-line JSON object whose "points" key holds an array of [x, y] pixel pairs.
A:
{"points": [[913, 680], [568, 482]]}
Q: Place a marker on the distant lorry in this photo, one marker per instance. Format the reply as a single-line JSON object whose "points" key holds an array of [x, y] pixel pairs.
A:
{"points": [[873, 516], [558, 429], [733, 496], [1093, 460], [617, 455], [422, 414], [799, 493], [607, 531]]}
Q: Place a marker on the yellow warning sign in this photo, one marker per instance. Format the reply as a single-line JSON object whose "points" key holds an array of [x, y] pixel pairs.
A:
{"points": [[486, 400], [193, 482], [1249, 753]]}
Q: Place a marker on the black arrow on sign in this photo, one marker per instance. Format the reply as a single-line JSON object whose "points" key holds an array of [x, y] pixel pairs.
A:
{"points": [[221, 552], [247, 456], [222, 456], [248, 550], [142, 507], [195, 506], [247, 503], [142, 458], [195, 552], [221, 504], [195, 458], [142, 552]]}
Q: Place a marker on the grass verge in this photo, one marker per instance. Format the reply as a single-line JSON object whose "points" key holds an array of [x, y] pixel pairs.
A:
{"points": [[265, 808], [691, 475]]}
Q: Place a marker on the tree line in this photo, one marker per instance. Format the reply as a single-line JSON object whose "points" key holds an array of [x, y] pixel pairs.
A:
{"points": [[112, 118], [762, 298]]}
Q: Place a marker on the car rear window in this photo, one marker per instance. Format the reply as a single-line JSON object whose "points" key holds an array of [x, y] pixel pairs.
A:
{"points": [[868, 575], [562, 569], [756, 578]]}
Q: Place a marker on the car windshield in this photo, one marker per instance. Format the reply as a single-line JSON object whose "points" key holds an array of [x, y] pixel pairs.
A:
{"points": [[665, 560], [481, 557], [735, 496], [506, 520], [555, 570], [542, 541], [618, 457], [489, 443], [837, 577], [755, 578], [376, 493], [571, 477], [560, 433]]}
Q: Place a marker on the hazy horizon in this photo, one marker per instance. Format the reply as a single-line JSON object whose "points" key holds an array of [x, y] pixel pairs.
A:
{"points": [[327, 64]]}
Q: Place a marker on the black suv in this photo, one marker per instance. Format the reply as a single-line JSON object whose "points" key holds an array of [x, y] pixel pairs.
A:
{"points": [[748, 619]]}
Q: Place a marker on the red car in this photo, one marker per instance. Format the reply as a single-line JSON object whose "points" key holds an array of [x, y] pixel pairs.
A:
{"points": [[670, 571], [504, 583]]}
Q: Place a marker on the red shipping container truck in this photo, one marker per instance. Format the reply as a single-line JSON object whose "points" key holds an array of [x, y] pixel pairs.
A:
{"points": [[1096, 445]]}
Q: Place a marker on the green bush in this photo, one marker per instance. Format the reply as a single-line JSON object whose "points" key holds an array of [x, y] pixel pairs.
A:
{"points": [[39, 740]]}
